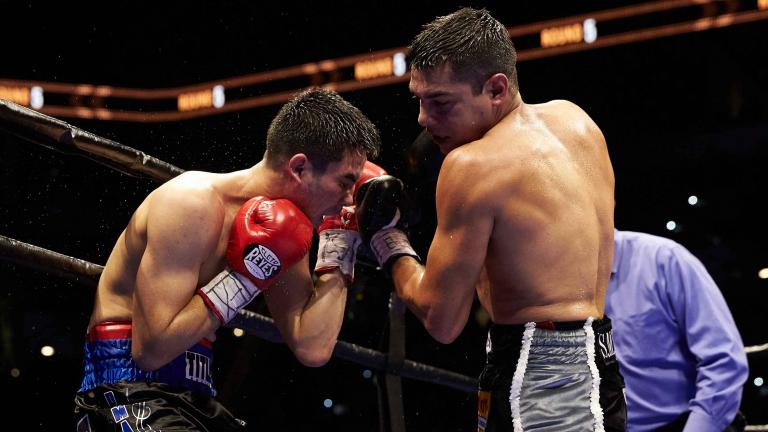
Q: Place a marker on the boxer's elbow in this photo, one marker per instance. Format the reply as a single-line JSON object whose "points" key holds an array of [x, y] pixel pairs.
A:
{"points": [[443, 336], [313, 357], [148, 358], [147, 361], [443, 331], [440, 322]]}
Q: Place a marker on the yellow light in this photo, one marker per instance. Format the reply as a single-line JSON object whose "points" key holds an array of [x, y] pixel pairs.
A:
{"points": [[376, 68], [195, 100], [562, 35], [762, 4], [15, 372], [238, 332], [47, 351], [763, 273], [19, 95]]}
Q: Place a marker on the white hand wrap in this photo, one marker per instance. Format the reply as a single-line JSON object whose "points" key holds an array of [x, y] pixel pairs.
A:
{"points": [[227, 293], [337, 248], [391, 242]]}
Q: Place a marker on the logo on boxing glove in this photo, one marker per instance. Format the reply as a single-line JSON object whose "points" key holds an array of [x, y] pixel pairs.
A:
{"points": [[261, 262]]}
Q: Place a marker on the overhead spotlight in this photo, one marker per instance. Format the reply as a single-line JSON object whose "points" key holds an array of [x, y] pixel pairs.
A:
{"points": [[367, 374], [47, 351], [763, 273], [671, 225], [238, 332], [15, 372], [693, 200], [758, 381], [399, 65], [590, 30], [218, 98], [327, 403], [36, 98]]}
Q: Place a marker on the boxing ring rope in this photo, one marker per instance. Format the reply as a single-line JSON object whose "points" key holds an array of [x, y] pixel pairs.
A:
{"points": [[87, 273], [60, 136], [756, 348]]}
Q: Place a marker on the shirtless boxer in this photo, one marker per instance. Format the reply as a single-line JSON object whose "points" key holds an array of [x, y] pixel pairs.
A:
{"points": [[524, 218], [201, 247]]}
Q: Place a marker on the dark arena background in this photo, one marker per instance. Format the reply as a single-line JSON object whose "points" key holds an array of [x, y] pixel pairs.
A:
{"points": [[679, 88]]}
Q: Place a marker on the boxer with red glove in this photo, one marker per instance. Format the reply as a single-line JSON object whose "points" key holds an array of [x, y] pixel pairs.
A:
{"points": [[339, 239], [267, 237]]}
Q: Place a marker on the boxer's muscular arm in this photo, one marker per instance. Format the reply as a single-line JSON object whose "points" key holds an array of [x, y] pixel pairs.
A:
{"points": [[441, 294], [183, 228], [308, 316]]}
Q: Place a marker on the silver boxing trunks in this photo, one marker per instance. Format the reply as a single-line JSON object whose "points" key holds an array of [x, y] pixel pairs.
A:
{"points": [[551, 376]]}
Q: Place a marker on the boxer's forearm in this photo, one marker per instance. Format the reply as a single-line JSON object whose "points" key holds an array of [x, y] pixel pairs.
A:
{"points": [[317, 327], [407, 274]]}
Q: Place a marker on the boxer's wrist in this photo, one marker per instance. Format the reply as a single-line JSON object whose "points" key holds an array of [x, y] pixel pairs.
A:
{"points": [[389, 244], [337, 249], [227, 293]]}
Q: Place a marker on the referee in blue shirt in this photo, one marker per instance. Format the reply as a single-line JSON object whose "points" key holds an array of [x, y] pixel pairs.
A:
{"points": [[680, 352]]}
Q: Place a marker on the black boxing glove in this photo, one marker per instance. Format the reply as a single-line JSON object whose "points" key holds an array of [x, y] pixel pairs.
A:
{"points": [[381, 208]]}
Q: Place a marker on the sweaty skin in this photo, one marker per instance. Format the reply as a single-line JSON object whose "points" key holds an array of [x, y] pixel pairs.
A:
{"points": [[524, 210], [176, 242]]}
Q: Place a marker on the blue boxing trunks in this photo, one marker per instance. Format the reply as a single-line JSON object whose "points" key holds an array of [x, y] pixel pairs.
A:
{"points": [[116, 395], [553, 377]]}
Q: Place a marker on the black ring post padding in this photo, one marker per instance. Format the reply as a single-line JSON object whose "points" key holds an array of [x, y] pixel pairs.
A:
{"points": [[60, 136], [395, 362], [396, 349], [42, 259]]}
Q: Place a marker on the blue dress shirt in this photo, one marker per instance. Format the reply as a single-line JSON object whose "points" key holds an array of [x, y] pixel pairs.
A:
{"points": [[675, 338]]}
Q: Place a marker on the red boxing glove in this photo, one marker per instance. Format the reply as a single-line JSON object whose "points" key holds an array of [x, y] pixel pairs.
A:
{"points": [[267, 236]]}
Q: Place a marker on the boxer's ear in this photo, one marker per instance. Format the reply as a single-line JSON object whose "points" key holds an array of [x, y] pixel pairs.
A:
{"points": [[497, 88]]}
